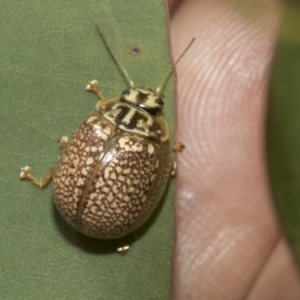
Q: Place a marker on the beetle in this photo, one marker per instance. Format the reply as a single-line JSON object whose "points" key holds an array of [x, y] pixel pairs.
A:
{"points": [[115, 167]]}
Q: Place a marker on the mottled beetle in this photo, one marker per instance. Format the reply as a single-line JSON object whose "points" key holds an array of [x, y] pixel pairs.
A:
{"points": [[115, 167]]}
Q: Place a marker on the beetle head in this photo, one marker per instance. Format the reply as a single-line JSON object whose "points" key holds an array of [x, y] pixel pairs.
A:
{"points": [[144, 98]]}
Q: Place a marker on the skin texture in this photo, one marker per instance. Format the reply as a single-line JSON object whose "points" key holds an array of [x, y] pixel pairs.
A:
{"points": [[229, 244]]}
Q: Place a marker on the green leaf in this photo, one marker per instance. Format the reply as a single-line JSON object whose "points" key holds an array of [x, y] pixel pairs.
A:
{"points": [[49, 51], [283, 128]]}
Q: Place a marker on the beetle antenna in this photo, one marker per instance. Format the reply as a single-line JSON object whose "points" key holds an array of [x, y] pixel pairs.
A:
{"points": [[113, 54], [165, 80]]}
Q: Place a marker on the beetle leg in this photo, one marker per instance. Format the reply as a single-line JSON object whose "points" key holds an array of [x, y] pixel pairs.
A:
{"points": [[62, 142], [174, 169], [42, 182], [93, 86], [178, 147]]}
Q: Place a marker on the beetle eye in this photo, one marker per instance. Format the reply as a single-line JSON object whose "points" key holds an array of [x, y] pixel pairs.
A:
{"points": [[159, 101], [126, 92]]}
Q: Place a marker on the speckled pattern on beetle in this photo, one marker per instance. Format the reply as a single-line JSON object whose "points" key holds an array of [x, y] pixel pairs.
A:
{"points": [[112, 174], [115, 167]]}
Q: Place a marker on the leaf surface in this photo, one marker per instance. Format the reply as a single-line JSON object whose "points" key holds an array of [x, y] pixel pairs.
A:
{"points": [[283, 126]]}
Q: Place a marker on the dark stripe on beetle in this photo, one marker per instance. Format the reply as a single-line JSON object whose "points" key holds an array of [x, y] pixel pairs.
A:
{"points": [[122, 114], [134, 120], [151, 110], [141, 97]]}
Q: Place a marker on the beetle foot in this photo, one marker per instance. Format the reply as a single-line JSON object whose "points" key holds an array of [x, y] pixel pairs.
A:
{"points": [[26, 173], [62, 142], [178, 147], [93, 86], [174, 169], [123, 247]]}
